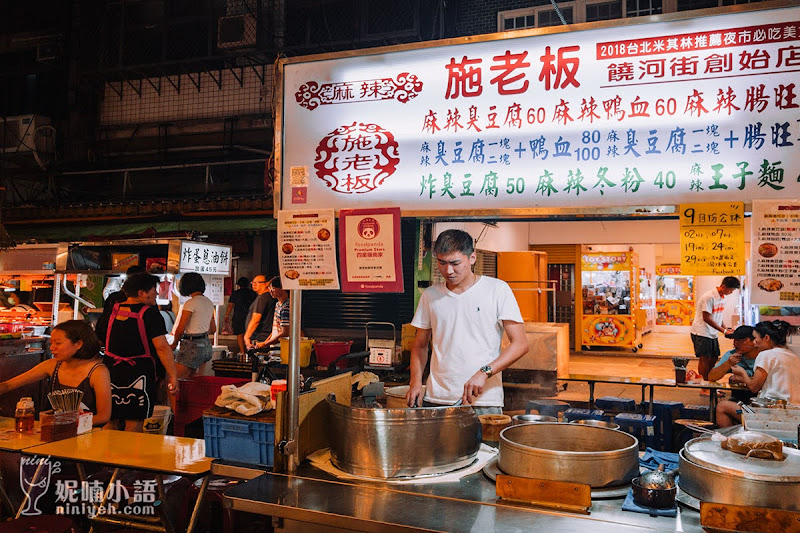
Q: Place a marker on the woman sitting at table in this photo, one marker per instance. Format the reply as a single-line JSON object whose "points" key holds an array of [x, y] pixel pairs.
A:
{"points": [[776, 375], [76, 364]]}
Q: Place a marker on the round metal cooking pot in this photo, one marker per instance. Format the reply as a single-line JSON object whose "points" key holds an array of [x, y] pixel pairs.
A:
{"points": [[656, 498], [531, 419], [396, 396], [392, 443], [577, 453], [707, 484], [596, 423]]}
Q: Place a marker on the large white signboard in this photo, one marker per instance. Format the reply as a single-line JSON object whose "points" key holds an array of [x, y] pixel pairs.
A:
{"points": [[205, 258], [699, 110]]}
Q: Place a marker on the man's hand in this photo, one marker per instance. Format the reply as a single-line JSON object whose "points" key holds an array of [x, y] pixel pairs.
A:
{"points": [[414, 395], [474, 387], [734, 359]]}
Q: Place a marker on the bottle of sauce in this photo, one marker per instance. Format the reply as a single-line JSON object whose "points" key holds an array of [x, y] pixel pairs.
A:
{"points": [[23, 416]]}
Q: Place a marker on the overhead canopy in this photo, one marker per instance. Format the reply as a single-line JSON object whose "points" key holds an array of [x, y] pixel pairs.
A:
{"points": [[68, 232]]}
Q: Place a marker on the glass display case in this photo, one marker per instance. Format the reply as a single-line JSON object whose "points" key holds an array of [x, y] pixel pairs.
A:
{"points": [[674, 296], [646, 314], [610, 299]]}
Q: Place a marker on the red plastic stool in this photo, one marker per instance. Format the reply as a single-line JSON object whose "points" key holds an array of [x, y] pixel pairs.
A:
{"points": [[41, 523], [216, 487]]}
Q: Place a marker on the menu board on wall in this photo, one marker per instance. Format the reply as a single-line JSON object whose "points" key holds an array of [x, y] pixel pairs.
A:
{"points": [[369, 242], [775, 253], [307, 249], [712, 239]]}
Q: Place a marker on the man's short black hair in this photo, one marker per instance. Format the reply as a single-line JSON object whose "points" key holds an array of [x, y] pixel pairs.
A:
{"points": [[454, 240], [731, 282], [139, 282]]}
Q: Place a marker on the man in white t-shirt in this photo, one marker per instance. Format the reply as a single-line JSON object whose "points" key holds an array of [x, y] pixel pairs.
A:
{"points": [[465, 317], [708, 321]]}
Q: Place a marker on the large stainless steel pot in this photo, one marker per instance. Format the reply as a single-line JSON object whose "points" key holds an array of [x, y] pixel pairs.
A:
{"points": [[594, 456], [392, 443], [710, 473]]}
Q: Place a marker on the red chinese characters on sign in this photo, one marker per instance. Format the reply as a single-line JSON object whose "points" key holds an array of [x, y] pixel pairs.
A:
{"points": [[356, 158], [402, 88], [558, 70]]}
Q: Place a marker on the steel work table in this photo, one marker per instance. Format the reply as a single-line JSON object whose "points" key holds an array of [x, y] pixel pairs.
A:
{"points": [[471, 504]]}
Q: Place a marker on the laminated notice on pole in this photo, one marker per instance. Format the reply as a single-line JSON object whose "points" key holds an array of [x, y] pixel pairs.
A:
{"points": [[307, 249]]}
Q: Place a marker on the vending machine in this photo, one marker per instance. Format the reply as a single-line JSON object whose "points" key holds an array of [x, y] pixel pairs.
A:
{"points": [[610, 295]]}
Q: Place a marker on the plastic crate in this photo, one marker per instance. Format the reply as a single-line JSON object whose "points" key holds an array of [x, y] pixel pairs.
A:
{"points": [[242, 441]]}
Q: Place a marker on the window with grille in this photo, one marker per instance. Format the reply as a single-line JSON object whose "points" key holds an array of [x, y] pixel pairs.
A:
{"points": [[604, 11]]}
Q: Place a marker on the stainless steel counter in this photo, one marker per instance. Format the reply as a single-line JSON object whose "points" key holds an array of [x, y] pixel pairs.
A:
{"points": [[312, 496]]}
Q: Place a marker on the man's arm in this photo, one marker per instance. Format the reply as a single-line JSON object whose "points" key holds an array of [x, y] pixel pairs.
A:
{"points": [[419, 358], [724, 366], [517, 347], [708, 318], [251, 328]]}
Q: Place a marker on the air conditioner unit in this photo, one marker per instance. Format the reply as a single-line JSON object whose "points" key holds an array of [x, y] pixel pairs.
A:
{"points": [[236, 31], [17, 134]]}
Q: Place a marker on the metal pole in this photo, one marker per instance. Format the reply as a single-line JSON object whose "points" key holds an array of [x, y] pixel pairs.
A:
{"points": [[293, 383]]}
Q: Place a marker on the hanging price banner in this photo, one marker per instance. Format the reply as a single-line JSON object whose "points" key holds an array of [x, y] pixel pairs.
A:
{"points": [[712, 239]]}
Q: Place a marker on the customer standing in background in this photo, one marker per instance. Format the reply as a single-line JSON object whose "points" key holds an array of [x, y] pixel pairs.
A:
{"points": [[137, 354], [280, 321], [195, 324], [260, 315], [708, 321], [465, 317], [236, 313]]}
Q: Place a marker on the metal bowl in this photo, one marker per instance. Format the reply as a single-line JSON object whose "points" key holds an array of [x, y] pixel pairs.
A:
{"points": [[531, 419], [594, 456], [395, 443], [596, 423]]}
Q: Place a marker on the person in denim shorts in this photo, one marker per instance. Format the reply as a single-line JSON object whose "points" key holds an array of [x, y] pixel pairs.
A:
{"points": [[195, 324]]}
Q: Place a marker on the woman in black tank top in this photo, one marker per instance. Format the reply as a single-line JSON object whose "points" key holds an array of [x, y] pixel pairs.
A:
{"points": [[76, 364]]}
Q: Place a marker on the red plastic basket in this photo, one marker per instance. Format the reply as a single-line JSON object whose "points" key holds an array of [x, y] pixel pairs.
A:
{"points": [[328, 351], [198, 394]]}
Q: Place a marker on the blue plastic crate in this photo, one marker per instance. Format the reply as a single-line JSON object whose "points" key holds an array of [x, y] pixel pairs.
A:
{"points": [[615, 404], [242, 441], [582, 414]]}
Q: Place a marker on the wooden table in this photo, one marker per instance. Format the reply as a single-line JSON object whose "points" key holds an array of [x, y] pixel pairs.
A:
{"points": [[644, 383], [157, 454], [13, 441], [712, 387], [651, 383]]}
